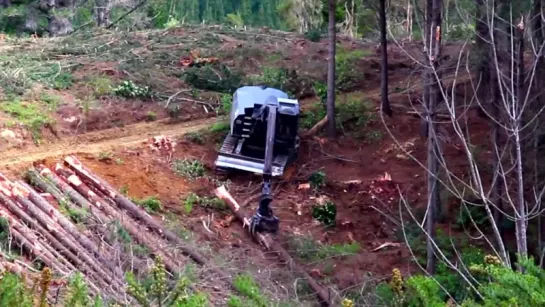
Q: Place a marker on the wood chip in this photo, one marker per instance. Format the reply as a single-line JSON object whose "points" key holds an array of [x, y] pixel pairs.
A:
{"points": [[387, 244], [304, 186]]}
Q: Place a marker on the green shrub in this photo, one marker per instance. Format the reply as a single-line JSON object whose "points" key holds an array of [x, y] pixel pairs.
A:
{"points": [[128, 89], [325, 213], [189, 168], [151, 204], [313, 35], [317, 179]]}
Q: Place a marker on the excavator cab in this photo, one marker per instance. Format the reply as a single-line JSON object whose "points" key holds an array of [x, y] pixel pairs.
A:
{"points": [[263, 139]]}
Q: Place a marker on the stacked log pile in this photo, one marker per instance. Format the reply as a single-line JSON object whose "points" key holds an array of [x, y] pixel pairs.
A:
{"points": [[33, 211]]}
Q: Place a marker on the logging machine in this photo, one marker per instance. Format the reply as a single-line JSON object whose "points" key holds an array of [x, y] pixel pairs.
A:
{"points": [[263, 139]]}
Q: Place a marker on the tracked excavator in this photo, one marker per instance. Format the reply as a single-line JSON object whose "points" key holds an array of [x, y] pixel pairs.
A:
{"points": [[263, 139]]}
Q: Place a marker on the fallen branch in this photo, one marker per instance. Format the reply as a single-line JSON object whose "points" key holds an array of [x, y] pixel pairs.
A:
{"points": [[317, 128], [273, 246]]}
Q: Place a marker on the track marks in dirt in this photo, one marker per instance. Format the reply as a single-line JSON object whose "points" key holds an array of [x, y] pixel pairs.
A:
{"points": [[101, 141]]}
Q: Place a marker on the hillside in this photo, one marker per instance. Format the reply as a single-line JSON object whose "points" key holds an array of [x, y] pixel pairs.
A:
{"points": [[102, 97]]}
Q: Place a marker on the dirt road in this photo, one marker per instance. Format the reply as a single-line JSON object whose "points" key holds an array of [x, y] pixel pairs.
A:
{"points": [[101, 141]]}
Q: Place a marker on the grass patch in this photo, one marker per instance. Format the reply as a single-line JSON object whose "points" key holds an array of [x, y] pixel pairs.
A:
{"points": [[189, 168], [351, 115], [213, 203], [317, 179], [101, 86], [52, 101], [310, 250], [248, 287], [151, 116], [151, 204], [31, 115], [325, 213], [77, 215], [194, 137], [220, 127]]}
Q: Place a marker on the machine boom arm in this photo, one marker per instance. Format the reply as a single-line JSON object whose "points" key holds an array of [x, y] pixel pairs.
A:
{"points": [[265, 220]]}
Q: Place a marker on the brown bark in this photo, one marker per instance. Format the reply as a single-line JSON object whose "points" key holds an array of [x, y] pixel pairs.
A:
{"points": [[84, 268], [56, 186], [141, 215], [273, 246], [133, 209], [433, 100], [56, 216], [51, 229], [139, 234], [28, 241]]}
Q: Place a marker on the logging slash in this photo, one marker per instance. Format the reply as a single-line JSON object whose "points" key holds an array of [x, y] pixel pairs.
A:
{"points": [[270, 244]]}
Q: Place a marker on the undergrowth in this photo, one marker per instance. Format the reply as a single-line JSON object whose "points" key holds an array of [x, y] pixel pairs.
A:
{"points": [[32, 115], [189, 168], [352, 115], [213, 203], [309, 250], [151, 204]]}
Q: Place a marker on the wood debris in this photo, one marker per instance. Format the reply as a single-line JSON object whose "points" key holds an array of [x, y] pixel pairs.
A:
{"points": [[194, 59], [387, 244]]}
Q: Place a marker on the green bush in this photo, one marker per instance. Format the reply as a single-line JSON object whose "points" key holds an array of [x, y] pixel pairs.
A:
{"points": [[496, 284], [325, 213], [128, 89], [314, 35], [189, 168]]}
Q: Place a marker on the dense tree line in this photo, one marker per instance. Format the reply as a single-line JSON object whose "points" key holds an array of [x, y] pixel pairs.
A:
{"points": [[355, 19]]}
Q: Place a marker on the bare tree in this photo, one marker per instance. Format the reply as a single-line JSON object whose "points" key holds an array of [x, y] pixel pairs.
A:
{"points": [[331, 128], [434, 99], [102, 12], [509, 89]]}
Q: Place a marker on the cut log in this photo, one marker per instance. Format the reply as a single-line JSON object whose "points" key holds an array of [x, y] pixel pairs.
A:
{"points": [[101, 277], [87, 176], [26, 239], [140, 235], [74, 195], [273, 246], [52, 182], [21, 196], [49, 210]]}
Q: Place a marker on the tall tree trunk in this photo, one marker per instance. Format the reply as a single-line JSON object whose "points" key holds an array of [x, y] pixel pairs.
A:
{"points": [[433, 153], [385, 103], [331, 128], [522, 219]]}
